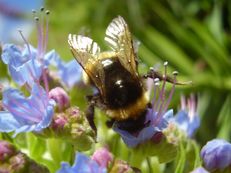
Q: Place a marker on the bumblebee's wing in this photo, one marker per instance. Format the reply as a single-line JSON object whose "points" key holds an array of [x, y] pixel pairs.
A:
{"points": [[119, 38], [86, 52]]}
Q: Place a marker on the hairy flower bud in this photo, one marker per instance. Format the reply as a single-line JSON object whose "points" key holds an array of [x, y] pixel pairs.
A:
{"points": [[121, 166], [102, 156], [6, 150], [60, 97], [12, 160], [71, 125]]}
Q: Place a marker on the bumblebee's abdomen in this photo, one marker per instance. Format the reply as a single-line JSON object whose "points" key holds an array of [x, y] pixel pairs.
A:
{"points": [[122, 89]]}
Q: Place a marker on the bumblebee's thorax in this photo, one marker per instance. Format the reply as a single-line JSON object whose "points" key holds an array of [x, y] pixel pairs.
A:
{"points": [[122, 91]]}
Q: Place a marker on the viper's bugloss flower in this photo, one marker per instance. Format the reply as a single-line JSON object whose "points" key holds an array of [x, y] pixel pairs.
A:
{"points": [[103, 157], [82, 164], [147, 133], [157, 116], [199, 170], [26, 114], [12, 16], [187, 118], [216, 154], [61, 98], [22, 64], [70, 73]]}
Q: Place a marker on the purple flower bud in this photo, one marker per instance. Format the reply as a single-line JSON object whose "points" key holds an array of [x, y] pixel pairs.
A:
{"points": [[59, 122], [6, 150], [12, 160], [103, 157], [216, 154], [60, 97]]}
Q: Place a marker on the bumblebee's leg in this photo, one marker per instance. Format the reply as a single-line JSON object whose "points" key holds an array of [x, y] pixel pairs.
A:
{"points": [[93, 100], [153, 74], [110, 123], [90, 114]]}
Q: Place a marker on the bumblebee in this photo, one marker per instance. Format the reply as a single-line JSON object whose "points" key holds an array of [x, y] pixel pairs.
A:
{"points": [[122, 93]]}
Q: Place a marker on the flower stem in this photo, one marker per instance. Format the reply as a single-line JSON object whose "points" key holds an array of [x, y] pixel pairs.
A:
{"points": [[149, 165]]}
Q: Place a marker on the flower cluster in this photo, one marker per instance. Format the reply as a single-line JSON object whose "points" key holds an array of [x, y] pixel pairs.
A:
{"points": [[102, 161], [29, 68], [12, 160]]}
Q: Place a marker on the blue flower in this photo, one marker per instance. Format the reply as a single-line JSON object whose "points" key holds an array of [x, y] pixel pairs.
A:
{"points": [[11, 18], [26, 114], [187, 118], [25, 67], [51, 58], [216, 154], [22, 64], [82, 164], [156, 118], [70, 73], [146, 133]]}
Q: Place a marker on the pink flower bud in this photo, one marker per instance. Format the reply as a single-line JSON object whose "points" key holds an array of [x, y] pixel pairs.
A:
{"points": [[6, 150], [102, 156], [60, 97]]}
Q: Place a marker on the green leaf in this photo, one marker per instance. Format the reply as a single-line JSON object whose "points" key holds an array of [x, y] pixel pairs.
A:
{"points": [[165, 151], [36, 146], [220, 54], [225, 119], [185, 36], [165, 48]]}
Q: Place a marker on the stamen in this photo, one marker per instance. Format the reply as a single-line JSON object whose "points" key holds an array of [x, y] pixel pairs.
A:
{"points": [[42, 9], [42, 42], [39, 35], [42, 31], [156, 87], [26, 42], [162, 93], [47, 28], [192, 106], [171, 92], [183, 102], [33, 13]]}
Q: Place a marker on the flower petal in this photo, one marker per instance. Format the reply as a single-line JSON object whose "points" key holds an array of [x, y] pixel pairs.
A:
{"points": [[7, 122], [70, 73], [33, 113]]}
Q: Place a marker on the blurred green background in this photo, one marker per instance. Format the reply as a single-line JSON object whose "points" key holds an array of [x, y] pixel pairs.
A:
{"points": [[194, 36]]}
